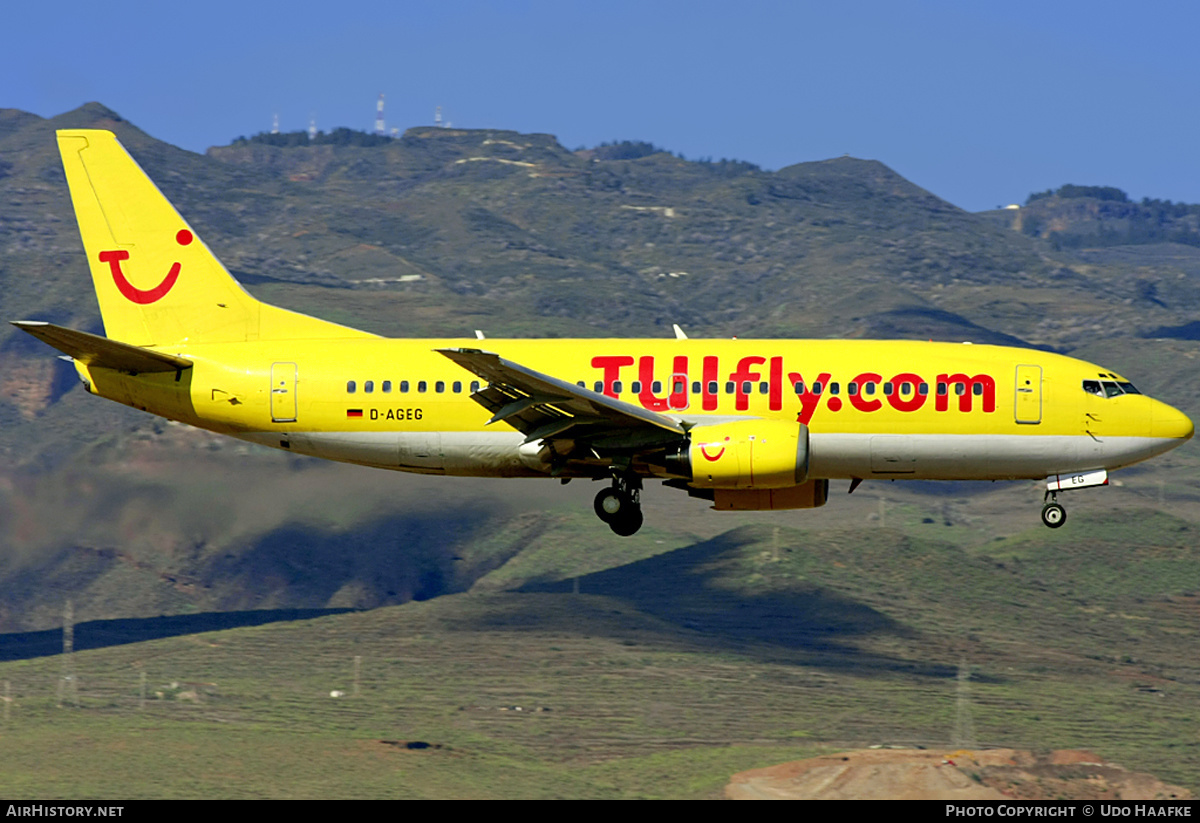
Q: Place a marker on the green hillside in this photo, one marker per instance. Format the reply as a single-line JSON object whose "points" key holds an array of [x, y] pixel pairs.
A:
{"points": [[1097, 216], [657, 677]]}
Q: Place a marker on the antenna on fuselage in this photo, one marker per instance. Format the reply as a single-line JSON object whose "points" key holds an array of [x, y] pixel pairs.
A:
{"points": [[478, 334], [679, 335]]}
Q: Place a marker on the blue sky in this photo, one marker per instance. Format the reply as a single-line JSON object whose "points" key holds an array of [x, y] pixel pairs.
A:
{"points": [[981, 103]]}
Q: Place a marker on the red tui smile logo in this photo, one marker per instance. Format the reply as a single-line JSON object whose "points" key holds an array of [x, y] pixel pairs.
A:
{"points": [[131, 292], [712, 458]]}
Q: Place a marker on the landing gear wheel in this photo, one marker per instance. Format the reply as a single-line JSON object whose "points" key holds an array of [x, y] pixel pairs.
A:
{"points": [[609, 504], [628, 521], [620, 506], [1054, 515]]}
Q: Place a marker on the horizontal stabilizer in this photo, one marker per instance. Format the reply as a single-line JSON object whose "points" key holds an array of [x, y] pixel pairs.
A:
{"points": [[94, 350]]}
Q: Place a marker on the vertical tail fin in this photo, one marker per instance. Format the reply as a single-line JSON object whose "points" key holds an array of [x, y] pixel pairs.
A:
{"points": [[156, 281]]}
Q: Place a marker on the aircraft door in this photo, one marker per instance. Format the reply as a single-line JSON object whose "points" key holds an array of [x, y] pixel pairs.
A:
{"points": [[1028, 404], [283, 392]]}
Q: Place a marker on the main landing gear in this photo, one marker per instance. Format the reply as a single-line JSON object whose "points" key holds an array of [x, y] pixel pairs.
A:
{"points": [[1053, 513], [621, 505]]}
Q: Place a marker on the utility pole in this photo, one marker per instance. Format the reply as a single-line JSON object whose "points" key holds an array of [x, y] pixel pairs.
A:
{"points": [[67, 685]]}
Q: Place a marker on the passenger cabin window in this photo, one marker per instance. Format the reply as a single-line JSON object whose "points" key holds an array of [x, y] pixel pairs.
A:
{"points": [[729, 388], [834, 388], [598, 386], [457, 387], [798, 387], [817, 387], [656, 387], [351, 387], [387, 386], [422, 386], [369, 386], [695, 387], [764, 388], [636, 387], [712, 387], [404, 387], [439, 386], [475, 386]]}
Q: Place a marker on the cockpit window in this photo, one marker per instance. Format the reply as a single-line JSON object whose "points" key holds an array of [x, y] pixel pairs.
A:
{"points": [[1109, 388]]}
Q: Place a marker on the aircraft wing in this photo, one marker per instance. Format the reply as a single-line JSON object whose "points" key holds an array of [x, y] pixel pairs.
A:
{"points": [[103, 352], [546, 408]]}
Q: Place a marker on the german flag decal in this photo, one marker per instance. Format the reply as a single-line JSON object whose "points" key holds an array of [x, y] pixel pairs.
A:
{"points": [[354, 412]]}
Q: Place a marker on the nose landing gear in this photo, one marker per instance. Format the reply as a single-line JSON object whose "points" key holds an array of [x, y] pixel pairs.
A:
{"points": [[620, 506], [1053, 513]]}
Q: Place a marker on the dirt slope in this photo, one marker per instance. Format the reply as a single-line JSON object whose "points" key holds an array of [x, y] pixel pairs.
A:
{"points": [[996, 774]]}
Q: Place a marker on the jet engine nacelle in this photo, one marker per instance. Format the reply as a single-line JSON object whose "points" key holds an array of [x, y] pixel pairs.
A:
{"points": [[749, 454]]}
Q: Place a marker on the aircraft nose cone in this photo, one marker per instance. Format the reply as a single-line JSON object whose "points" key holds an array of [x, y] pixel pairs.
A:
{"points": [[1170, 422]]}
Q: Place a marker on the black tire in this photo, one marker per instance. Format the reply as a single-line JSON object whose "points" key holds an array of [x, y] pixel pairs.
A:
{"points": [[614, 500], [627, 522], [1054, 515]]}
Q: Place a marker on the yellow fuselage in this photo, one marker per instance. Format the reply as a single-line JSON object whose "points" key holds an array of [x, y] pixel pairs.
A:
{"points": [[873, 408]]}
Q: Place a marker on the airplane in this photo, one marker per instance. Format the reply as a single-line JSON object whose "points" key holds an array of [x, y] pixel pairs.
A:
{"points": [[746, 424]]}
